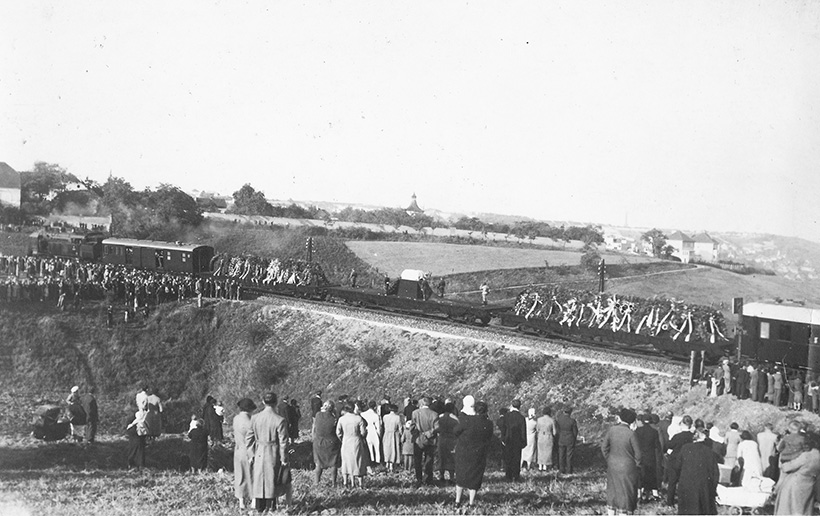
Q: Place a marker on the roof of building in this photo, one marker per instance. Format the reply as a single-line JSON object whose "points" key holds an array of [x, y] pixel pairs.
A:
{"points": [[153, 244], [678, 235], [9, 178], [414, 206], [703, 238], [783, 312]]}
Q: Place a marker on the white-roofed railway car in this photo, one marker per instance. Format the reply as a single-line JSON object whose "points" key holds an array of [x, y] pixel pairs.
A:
{"points": [[159, 256], [781, 332]]}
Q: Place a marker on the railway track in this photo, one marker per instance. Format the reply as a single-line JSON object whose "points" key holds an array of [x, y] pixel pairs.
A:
{"points": [[497, 334]]}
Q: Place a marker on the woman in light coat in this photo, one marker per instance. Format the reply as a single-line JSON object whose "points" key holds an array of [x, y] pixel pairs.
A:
{"points": [[530, 451], [545, 426], [352, 431], [241, 464]]}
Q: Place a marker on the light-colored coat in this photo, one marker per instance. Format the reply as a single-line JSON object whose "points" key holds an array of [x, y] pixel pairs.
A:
{"points": [[267, 442], [545, 426], [352, 431], [393, 430], [374, 434], [241, 466]]}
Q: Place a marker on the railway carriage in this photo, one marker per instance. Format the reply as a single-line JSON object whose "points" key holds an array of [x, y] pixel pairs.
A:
{"points": [[786, 333], [158, 256]]}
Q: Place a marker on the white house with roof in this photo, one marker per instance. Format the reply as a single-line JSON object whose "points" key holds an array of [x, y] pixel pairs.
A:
{"points": [[10, 186], [705, 247], [683, 244]]}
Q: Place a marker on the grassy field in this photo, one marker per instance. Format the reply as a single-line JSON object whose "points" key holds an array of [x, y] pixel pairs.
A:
{"points": [[447, 259]]}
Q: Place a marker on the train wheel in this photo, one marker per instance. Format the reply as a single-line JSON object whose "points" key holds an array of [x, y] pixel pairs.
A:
{"points": [[736, 510]]}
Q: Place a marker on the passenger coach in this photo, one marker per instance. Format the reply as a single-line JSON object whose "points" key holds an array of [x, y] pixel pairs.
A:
{"points": [[159, 256], [782, 333]]}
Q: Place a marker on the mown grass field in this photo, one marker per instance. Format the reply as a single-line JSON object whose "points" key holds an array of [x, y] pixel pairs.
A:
{"points": [[447, 259]]}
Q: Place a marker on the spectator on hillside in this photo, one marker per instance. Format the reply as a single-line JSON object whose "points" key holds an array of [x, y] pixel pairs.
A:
{"points": [[649, 443], [530, 451], [674, 447], [92, 416], [474, 433], [351, 430], [353, 277], [374, 433], [326, 444], [545, 426], [294, 415], [441, 286], [697, 467], [137, 432], [567, 431], [514, 438], [623, 457], [316, 403], [392, 440], [198, 453], [424, 420], [212, 422], [241, 465], [267, 443], [732, 440], [445, 430]]}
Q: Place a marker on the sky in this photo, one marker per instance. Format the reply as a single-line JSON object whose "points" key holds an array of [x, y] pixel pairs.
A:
{"points": [[698, 115]]}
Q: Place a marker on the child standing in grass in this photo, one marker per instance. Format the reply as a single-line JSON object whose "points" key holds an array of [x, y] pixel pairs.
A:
{"points": [[199, 444], [408, 441]]}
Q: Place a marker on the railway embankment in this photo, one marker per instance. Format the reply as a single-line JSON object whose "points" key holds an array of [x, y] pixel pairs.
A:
{"points": [[237, 349]]}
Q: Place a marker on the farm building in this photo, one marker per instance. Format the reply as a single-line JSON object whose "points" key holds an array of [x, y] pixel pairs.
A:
{"points": [[9, 186], [779, 332]]}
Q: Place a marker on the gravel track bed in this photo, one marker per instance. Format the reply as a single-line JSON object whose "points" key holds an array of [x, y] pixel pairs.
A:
{"points": [[561, 349]]}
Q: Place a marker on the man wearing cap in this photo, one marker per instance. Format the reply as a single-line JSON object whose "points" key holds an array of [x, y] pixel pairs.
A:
{"points": [[567, 430], [514, 438]]}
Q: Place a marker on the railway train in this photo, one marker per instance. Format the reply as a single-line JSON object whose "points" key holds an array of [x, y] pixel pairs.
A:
{"points": [[407, 295]]}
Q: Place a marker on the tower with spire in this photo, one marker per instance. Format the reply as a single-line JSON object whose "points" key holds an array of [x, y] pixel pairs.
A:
{"points": [[414, 209]]}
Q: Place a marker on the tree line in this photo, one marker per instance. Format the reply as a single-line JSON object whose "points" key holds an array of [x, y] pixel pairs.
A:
{"points": [[166, 211]]}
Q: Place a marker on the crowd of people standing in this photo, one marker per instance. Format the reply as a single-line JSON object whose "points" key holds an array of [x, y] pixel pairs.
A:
{"points": [[765, 383]]}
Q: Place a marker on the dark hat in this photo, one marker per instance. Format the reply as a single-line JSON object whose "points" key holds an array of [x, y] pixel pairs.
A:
{"points": [[269, 398], [627, 416], [246, 405], [646, 418]]}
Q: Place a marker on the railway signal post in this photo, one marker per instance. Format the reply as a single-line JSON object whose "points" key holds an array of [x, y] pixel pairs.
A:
{"points": [[601, 276]]}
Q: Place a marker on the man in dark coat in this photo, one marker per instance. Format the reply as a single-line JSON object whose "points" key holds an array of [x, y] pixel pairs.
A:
{"points": [[663, 439], [89, 403], [567, 430], [741, 382], [316, 403], [649, 443], [282, 408], [674, 447], [424, 449], [697, 468], [514, 438]]}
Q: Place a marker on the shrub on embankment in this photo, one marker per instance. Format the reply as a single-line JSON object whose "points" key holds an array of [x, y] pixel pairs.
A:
{"points": [[232, 350]]}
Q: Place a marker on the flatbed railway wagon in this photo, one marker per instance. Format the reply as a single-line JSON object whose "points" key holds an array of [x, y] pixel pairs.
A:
{"points": [[782, 333], [174, 257], [408, 296]]}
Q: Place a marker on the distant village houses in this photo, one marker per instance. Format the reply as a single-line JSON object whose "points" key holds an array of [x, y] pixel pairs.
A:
{"points": [[700, 247], [10, 186]]}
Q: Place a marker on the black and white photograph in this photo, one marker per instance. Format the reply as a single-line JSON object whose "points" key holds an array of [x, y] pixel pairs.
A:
{"points": [[529, 257]]}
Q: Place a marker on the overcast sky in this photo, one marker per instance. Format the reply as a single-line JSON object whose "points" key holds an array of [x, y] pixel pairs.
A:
{"points": [[692, 115]]}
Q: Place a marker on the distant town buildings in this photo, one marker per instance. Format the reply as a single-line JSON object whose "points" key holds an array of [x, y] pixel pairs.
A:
{"points": [[9, 186], [700, 247]]}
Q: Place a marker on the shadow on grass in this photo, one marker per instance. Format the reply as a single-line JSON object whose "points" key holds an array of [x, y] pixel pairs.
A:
{"points": [[167, 453]]}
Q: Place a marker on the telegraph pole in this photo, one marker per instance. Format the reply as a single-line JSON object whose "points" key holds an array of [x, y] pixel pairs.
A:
{"points": [[601, 276], [309, 249]]}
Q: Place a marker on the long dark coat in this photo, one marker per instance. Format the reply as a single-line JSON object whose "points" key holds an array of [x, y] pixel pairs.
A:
{"points": [[213, 422], [445, 424], [326, 443], [699, 475], [198, 453], [623, 462], [474, 434], [650, 452]]}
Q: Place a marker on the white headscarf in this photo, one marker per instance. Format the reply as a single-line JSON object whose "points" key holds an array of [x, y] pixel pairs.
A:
{"points": [[714, 434], [531, 413], [468, 405]]}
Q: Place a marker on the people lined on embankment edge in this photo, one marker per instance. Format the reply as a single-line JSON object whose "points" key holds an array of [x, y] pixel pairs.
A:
{"points": [[764, 383]]}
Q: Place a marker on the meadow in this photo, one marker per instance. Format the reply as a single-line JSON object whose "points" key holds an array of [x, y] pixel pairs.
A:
{"points": [[448, 259]]}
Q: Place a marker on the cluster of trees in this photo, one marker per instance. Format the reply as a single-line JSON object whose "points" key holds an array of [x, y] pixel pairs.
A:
{"points": [[163, 212], [532, 229], [657, 239], [159, 213], [249, 201]]}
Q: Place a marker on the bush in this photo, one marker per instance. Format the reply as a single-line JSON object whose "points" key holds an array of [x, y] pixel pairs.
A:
{"points": [[375, 356], [517, 367]]}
